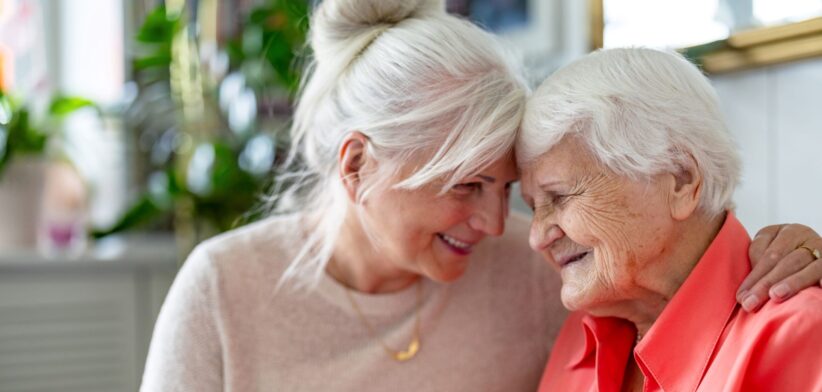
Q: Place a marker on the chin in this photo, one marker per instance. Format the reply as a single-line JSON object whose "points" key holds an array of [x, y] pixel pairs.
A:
{"points": [[579, 290], [450, 277], [446, 274], [575, 299]]}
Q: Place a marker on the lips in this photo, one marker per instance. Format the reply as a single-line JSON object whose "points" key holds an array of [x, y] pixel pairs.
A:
{"points": [[571, 258], [457, 246]]}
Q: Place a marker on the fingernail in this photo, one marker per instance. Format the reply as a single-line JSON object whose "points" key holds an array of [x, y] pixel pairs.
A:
{"points": [[780, 291], [741, 294], [750, 302]]}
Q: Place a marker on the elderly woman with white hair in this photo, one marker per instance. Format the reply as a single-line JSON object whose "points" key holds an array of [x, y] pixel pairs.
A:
{"points": [[630, 170], [375, 272]]}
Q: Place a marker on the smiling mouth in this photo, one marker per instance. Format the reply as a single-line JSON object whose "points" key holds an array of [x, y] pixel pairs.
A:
{"points": [[572, 259], [459, 247]]}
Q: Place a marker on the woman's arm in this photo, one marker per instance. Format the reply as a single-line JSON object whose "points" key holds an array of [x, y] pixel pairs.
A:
{"points": [[185, 352], [782, 264]]}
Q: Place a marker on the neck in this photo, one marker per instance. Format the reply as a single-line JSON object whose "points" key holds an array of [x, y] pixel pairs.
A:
{"points": [[359, 265], [658, 282]]}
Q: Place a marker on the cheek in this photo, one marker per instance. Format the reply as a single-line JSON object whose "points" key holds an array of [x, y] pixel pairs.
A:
{"points": [[627, 236], [605, 224], [446, 213], [598, 222], [418, 224], [394, 219]]}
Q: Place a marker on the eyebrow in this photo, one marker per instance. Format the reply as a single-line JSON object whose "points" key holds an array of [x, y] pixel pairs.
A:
{"points": [[488, 179], [548, 184]]}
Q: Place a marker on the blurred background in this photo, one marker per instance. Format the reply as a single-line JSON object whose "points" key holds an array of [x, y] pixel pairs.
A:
{"points": [[131, 130]]}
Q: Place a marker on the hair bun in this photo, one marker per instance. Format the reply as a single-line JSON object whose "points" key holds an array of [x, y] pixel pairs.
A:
{"points": [[336, 24]]}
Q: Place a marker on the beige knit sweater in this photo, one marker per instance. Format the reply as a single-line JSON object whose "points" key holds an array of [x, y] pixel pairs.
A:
{"points": [[224, 326]]}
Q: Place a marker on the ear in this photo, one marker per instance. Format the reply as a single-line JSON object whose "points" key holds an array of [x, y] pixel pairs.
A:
{"points": [[351, 160], [686, 189]]}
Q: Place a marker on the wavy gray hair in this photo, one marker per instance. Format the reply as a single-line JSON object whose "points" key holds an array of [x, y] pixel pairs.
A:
{"points": [[641, 112]]}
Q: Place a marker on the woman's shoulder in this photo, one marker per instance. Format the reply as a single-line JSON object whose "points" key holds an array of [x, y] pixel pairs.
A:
{"points": [[804, 308], [266, 235], [775, 348], [777, 327], [259, 249]]}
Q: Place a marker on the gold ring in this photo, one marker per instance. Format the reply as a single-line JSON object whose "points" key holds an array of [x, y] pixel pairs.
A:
{"points": [[814, 252]]}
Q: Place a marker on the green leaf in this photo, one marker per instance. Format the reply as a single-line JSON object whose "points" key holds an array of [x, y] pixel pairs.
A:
{"points": [[158, 28], [5, 154], [62, 106], [158, 60], [6, 109], [24, 138], [143, 212]]}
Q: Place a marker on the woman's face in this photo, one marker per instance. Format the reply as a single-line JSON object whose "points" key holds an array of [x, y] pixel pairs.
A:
{"points": [[433, 235], [599, 229]]}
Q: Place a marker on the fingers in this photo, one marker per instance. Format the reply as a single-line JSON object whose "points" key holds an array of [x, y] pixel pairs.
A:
{"points": [[761, 263], [770, 245], [761, 241], [807, 277], [789, 275], [787, 239], [767, 286]]}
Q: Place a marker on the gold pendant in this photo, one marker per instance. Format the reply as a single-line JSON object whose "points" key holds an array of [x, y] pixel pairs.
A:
{"points": [[409, 353]]}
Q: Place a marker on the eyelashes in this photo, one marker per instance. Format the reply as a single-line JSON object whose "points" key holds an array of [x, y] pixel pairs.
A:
{"points": [[467, 188], [476, 187], [553, 201]]}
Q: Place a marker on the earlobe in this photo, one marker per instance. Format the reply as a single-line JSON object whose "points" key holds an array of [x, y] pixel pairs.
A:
{"points": [[351, 160], [686, 189]]}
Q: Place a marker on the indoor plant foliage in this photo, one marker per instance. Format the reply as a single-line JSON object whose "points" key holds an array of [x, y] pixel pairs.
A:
{"points": [[27, 147], [21, 136], [207, 124]]}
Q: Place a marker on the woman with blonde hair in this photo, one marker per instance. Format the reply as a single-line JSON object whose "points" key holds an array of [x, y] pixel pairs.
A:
{"points": [[361, 280]]}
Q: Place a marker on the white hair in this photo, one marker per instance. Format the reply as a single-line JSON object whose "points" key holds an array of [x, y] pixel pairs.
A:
{"points": [[641, 112], [421, 85]]}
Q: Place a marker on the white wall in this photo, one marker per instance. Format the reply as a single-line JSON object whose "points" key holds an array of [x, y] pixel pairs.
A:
{"points": [[775, 114]]}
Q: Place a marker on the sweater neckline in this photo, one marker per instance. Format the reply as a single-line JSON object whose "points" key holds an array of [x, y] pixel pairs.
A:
{"points": [[398, 302]]}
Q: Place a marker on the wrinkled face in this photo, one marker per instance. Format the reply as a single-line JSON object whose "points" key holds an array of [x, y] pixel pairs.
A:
{"points": [[599, 229], [433, 235]]}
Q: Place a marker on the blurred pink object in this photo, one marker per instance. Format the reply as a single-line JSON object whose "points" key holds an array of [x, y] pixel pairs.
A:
{"points": [[62, 231]]}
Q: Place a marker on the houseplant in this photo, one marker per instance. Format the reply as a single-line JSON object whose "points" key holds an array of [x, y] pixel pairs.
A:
{"points": [[208, 124], [25, 146]]}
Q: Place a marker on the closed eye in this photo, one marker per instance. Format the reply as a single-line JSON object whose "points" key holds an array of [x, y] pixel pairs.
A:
{"points": [[558, 198], [467, 188]]}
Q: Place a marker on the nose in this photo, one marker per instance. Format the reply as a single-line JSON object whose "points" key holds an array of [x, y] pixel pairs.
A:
{"points": [[543, 234], [490, 214]]}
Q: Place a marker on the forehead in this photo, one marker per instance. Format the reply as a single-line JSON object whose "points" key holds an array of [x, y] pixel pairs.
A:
{"points": [[503, 169], [567, 159], [506, 165]]}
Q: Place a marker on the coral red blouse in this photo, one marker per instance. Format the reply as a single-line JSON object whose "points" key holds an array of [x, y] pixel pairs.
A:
{"points": [[702, 341]]}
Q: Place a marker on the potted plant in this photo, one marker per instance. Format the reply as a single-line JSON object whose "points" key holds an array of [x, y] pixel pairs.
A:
{"points": [[24, 144], [208, 124]]}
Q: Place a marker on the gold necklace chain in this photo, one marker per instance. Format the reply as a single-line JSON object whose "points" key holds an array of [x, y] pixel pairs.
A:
{"points": [[413, 346]]}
